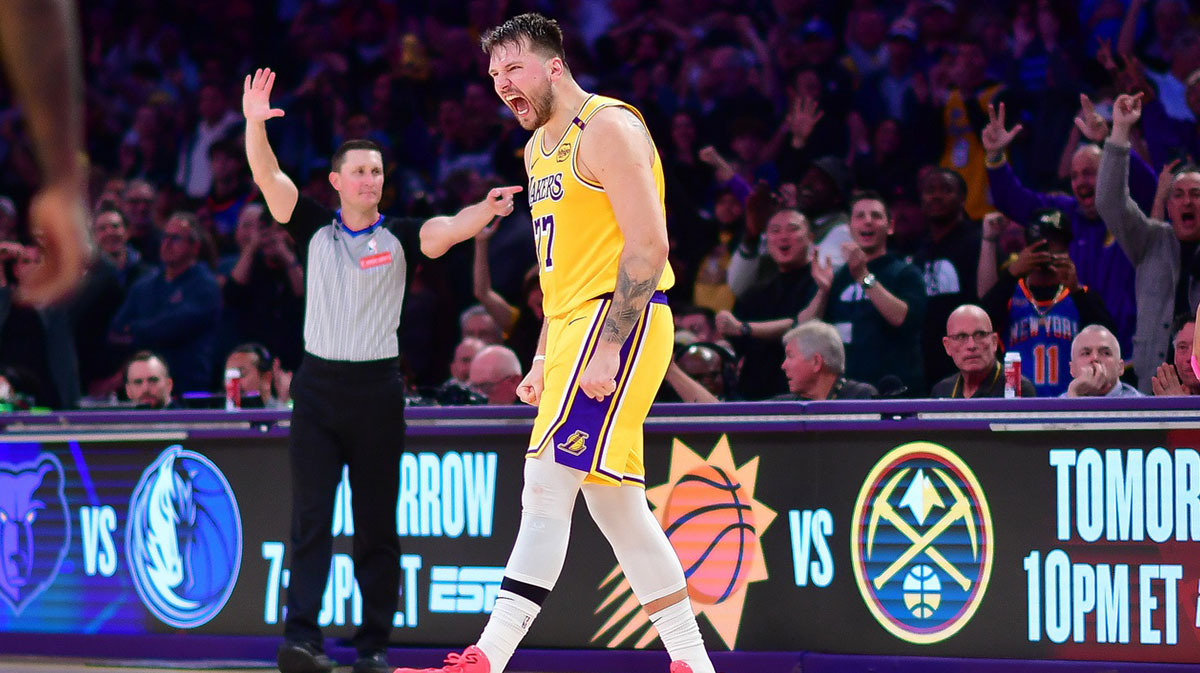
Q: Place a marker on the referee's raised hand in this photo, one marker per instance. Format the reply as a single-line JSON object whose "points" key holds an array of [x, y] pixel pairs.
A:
{"points": [[256, 96], [500, 200]]}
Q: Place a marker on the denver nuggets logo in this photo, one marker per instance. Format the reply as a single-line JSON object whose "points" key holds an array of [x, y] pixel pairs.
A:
{"points": [[563, 152], [575, 444], [715, 525], [922, 543]]}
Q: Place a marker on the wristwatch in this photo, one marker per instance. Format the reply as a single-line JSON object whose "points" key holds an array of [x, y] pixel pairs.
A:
{"points": [[868, 281]]}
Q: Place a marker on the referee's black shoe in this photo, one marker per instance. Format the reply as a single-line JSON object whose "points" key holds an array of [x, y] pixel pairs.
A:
{"points": [[372, 662], [299, 657]]}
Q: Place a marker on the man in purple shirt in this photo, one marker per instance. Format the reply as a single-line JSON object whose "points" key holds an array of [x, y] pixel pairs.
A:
{"points": [[1100, 263]]}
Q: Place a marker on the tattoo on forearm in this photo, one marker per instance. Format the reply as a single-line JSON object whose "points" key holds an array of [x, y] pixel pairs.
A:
{"points": [[629, 300]]}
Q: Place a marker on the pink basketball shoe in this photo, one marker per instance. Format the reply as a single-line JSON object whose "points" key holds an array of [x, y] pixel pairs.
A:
{"points": [[472, 660]]}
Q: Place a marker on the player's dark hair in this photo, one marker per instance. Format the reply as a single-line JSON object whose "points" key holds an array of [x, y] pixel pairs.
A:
{"points": [[339, 157], [543, 35]]}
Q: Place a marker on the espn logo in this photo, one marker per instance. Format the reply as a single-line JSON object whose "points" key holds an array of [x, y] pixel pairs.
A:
{"points": [[465, 589]]}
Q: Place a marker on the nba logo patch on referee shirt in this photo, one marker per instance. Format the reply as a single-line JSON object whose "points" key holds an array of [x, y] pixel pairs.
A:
{"points": [[371, 261]]}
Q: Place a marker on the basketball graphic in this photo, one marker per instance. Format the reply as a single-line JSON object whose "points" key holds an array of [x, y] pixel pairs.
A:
{"points": [[710, 523], [708, 510], [922, 591]]}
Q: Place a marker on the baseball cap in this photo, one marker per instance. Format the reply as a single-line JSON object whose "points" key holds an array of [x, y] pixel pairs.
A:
{"points": [[1048, 223], [836, 169]]}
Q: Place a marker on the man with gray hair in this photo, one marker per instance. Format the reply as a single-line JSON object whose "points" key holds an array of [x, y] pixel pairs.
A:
{"points": [[814, 362], [1165, 254], [495, 374], [476, 322], [1096, 365]]}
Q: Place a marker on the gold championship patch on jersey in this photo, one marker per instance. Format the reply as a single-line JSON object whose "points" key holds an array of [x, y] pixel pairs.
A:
{"points": [[564, 151]]}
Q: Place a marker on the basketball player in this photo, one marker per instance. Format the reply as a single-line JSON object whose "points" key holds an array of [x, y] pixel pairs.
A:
{"points": [[596, 194]]}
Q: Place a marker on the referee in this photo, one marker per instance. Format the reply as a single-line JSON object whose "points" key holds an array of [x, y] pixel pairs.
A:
{"points": [[348, 394]]}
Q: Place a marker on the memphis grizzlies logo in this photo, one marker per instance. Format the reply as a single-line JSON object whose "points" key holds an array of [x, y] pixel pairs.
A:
{"points": [[183, 538], [35, 528], [922, 543]]}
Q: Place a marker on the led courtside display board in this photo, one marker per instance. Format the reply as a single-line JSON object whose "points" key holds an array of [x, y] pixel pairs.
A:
{"points": [[925, 540]]}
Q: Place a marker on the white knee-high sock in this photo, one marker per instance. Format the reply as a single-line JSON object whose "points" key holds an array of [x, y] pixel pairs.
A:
{"points": [[680, 634], [547, 500], [510, 621], [650, 565]]}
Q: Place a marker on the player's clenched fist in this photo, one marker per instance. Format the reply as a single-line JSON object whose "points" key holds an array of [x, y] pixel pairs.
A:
{"points": [[530, 389]]}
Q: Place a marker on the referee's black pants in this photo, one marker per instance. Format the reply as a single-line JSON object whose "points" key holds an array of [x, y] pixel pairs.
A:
{"points": [[345, 413]]}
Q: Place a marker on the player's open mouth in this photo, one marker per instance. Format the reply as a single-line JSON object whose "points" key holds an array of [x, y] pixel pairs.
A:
{"points": [[519, 105]]}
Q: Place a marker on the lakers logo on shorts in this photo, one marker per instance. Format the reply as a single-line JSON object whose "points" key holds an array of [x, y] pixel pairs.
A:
{"points": [[575, 444], [922, 542], [715, 524], [564, 151]]}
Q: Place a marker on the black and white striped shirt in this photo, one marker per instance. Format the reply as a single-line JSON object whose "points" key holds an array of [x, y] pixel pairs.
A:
{"points": [[355, 281]]}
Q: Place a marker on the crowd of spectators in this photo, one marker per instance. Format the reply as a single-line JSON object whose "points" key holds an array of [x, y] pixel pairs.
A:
{"points": [[860, 170]]}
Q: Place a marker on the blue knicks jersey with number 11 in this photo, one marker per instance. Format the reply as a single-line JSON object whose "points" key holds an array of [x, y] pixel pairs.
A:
{"points": [[578, 241], [1042, 332]]}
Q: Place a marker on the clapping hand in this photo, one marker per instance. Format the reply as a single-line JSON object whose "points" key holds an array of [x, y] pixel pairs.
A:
{"points": [[856, 260], [1165, 381], [821, 270]]}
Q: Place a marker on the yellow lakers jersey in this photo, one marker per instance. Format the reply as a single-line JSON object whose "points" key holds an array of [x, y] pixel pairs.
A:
{"points": [[964, 151], [578, 241]]}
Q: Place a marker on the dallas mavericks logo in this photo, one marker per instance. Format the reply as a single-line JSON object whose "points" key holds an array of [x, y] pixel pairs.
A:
{"points": [[922, 542], [35, 528], [183, 538]]}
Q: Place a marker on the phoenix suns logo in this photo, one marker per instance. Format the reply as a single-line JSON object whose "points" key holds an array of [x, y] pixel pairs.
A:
{"points": [[713, 522], [922, 542]]}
